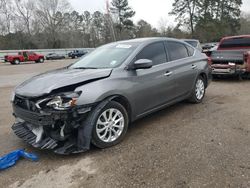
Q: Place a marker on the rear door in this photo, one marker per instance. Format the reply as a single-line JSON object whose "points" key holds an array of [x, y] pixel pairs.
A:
{"points": [[181, 56], [154, 86]]}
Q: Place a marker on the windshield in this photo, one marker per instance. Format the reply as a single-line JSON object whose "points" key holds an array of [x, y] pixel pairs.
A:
{"points": [[108, 56], [193, 43]]}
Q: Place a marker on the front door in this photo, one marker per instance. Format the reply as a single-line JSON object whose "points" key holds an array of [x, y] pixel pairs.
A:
{"points": [[155, 86]]}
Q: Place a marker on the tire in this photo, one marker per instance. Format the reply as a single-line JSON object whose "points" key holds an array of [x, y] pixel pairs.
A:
{"points": [[199, 91], [239, 77], [16, 62], [41, 60], [215, 77], [111, 138]]}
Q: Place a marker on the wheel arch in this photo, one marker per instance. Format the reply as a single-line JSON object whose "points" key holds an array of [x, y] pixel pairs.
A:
{"points": [[16, 58], [124, 102], [204, 76]]}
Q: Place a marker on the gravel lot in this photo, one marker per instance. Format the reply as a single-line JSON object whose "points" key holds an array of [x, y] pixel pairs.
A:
{"points": [[186, 145]]}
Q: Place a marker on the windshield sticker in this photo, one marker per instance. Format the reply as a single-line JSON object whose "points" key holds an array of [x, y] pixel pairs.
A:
{"points": [[126, 46]]}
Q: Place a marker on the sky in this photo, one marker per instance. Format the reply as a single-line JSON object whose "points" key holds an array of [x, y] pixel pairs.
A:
{"points": [[155, 12]]}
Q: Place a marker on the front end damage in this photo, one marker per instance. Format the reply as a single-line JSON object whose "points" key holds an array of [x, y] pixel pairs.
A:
{"points": [[55, 123]]}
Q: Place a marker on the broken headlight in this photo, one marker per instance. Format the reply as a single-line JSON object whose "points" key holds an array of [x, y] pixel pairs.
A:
{"points": [[62, 101]]}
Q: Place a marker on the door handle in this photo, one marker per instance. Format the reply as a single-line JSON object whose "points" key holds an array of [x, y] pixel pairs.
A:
{"points": [[194, 66], [168, 73]]}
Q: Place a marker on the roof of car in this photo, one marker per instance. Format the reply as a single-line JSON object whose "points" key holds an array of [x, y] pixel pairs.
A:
{"points": [[237, 36], [146, 40]]}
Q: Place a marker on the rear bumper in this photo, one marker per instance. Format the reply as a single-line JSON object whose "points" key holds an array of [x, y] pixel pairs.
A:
{"points": [[227, 70]]}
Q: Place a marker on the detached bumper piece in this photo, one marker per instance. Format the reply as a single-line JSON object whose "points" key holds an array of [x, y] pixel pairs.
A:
{"points": [[23, 132]]}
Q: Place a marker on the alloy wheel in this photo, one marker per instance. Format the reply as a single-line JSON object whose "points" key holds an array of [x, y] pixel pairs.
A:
{"points": [[200, 89], [110, 125]]}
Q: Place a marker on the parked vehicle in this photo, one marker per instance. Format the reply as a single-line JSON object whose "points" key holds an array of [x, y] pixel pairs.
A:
{"points": [[193, 42], [95, 99], [232, 56], [54, 56], [24, 57], [77, 54], [210, 51]]}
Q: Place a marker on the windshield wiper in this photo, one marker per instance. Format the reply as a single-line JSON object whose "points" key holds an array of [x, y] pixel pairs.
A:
{"points": [[85, 68]]}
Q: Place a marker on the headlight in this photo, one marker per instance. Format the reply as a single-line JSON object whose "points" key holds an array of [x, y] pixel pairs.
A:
{"points": [[62, 101], [231, 64]]}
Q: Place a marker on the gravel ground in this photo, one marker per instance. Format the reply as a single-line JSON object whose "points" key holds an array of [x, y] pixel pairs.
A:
{"points": [[186, 145]]}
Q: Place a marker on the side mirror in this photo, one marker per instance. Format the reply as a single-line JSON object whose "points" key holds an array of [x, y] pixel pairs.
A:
{"points": [[143, 64]]}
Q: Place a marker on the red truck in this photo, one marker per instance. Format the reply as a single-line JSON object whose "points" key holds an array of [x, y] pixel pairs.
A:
{"points": [[23, 57], [232, 57]]}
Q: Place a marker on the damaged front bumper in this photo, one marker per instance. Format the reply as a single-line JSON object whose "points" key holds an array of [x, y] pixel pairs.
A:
{"points": [[24, 131], [54, 130]]}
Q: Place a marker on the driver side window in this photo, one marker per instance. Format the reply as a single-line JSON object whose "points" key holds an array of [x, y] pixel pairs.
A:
{"points": [[155, 52]]}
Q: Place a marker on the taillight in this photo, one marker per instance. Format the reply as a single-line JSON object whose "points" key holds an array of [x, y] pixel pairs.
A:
{"points": [[209, 60], [246, 55]]}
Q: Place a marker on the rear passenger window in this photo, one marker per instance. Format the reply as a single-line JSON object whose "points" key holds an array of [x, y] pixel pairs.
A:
{"points": [[190, 50], [177, 50], [155, 52]]}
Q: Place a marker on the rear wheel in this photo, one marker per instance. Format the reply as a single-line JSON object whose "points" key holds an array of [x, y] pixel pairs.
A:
{"points": [[199, 90], [16, 62], [110, 125], [239, 77], [215, 77]]}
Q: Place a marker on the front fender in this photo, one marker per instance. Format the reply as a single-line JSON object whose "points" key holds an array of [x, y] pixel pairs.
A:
{"points": [[100, 90]]}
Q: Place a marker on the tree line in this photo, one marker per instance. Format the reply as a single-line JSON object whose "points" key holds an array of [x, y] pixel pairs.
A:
{"points": [[210, 19], [26, 24]]}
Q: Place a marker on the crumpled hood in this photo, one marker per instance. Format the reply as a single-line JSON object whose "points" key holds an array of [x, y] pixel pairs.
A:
{"points": [[47, 82]]}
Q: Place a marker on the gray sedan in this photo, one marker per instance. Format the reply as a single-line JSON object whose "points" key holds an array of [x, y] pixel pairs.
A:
{"points": [[95, 99]]}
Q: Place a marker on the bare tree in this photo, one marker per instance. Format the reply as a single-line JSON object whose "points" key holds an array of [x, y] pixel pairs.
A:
{"points": [[5, 16], [185, 12], [50, 14], [24, 13]]}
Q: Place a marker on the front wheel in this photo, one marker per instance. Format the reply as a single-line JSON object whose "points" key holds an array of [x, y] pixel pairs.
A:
{"points": [[110, 125], [41, 60], [199, 91]]}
